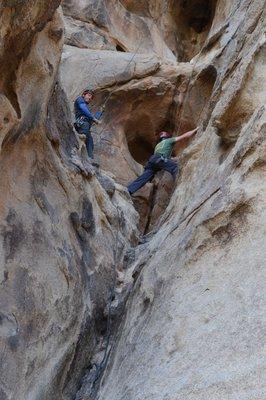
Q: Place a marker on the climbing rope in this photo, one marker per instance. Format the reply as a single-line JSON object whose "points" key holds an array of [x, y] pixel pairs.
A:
{"points": [[127, 66], [153, 22], [185, 98], [103, 363], [187, 91], [140, 44], [100, 368], [117, 83]]}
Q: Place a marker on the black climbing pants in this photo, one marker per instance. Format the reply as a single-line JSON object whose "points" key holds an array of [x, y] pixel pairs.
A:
{"points": [[156, 163]]}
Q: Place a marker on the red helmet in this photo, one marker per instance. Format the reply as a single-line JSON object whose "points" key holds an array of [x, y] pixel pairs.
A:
{"points": [[165, 135]]}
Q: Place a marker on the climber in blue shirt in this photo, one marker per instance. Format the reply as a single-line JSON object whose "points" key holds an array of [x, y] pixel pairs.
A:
{"points": [[85, 118]]}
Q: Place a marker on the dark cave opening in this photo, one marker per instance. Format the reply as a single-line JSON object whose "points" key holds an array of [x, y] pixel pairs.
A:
{"points": [[198, 14], [120, 48], [140, 136], [193, 20], [140, 149]]}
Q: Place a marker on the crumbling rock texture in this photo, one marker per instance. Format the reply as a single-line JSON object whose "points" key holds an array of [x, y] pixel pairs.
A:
{"points": [[88, 309]]}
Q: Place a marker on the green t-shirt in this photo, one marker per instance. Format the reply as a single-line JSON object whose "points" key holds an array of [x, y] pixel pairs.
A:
{"points": [[165, 147]]}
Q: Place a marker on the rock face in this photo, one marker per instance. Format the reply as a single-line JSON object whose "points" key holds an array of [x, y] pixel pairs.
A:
{"points": [[64, 225], [194, 324], [86, 312]]}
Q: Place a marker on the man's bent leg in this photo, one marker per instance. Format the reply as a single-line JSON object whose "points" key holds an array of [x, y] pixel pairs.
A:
{"points": [[147, 175], [171, 166], [85, 130], [89, 144]]}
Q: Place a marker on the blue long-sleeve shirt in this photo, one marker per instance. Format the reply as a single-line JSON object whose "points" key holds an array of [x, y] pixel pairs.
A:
{"points": [[82, 109]]}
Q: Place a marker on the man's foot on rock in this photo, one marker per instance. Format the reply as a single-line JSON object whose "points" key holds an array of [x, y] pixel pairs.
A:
{"points": [[142, 240], [127, 194], [146, 238], [94, 162]]}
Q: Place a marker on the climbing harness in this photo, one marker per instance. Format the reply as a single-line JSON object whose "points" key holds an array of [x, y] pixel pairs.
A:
{"points": [[79, 122]]}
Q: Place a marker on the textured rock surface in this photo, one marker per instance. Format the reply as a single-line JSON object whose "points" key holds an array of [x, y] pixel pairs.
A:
{"points": [[194, 324], [64, 226]]}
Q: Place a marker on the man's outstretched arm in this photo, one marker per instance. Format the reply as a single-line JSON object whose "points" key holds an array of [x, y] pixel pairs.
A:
{"points": [[186, 135]]}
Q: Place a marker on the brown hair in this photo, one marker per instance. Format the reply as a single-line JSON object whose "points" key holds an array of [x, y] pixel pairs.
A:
{"points": [[87, 91]]}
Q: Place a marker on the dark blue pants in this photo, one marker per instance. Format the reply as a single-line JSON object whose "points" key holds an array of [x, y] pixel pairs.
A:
{"points": [[89, 145], [85, 129], [156, 163]]}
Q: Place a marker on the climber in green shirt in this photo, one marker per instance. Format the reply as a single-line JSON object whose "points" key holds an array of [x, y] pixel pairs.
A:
{"points": [[165, 147], [160, 160]]}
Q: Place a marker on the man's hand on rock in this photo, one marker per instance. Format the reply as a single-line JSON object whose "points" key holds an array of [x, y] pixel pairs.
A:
{"points": [[186, 135], [191, 133], [194, 131]]}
